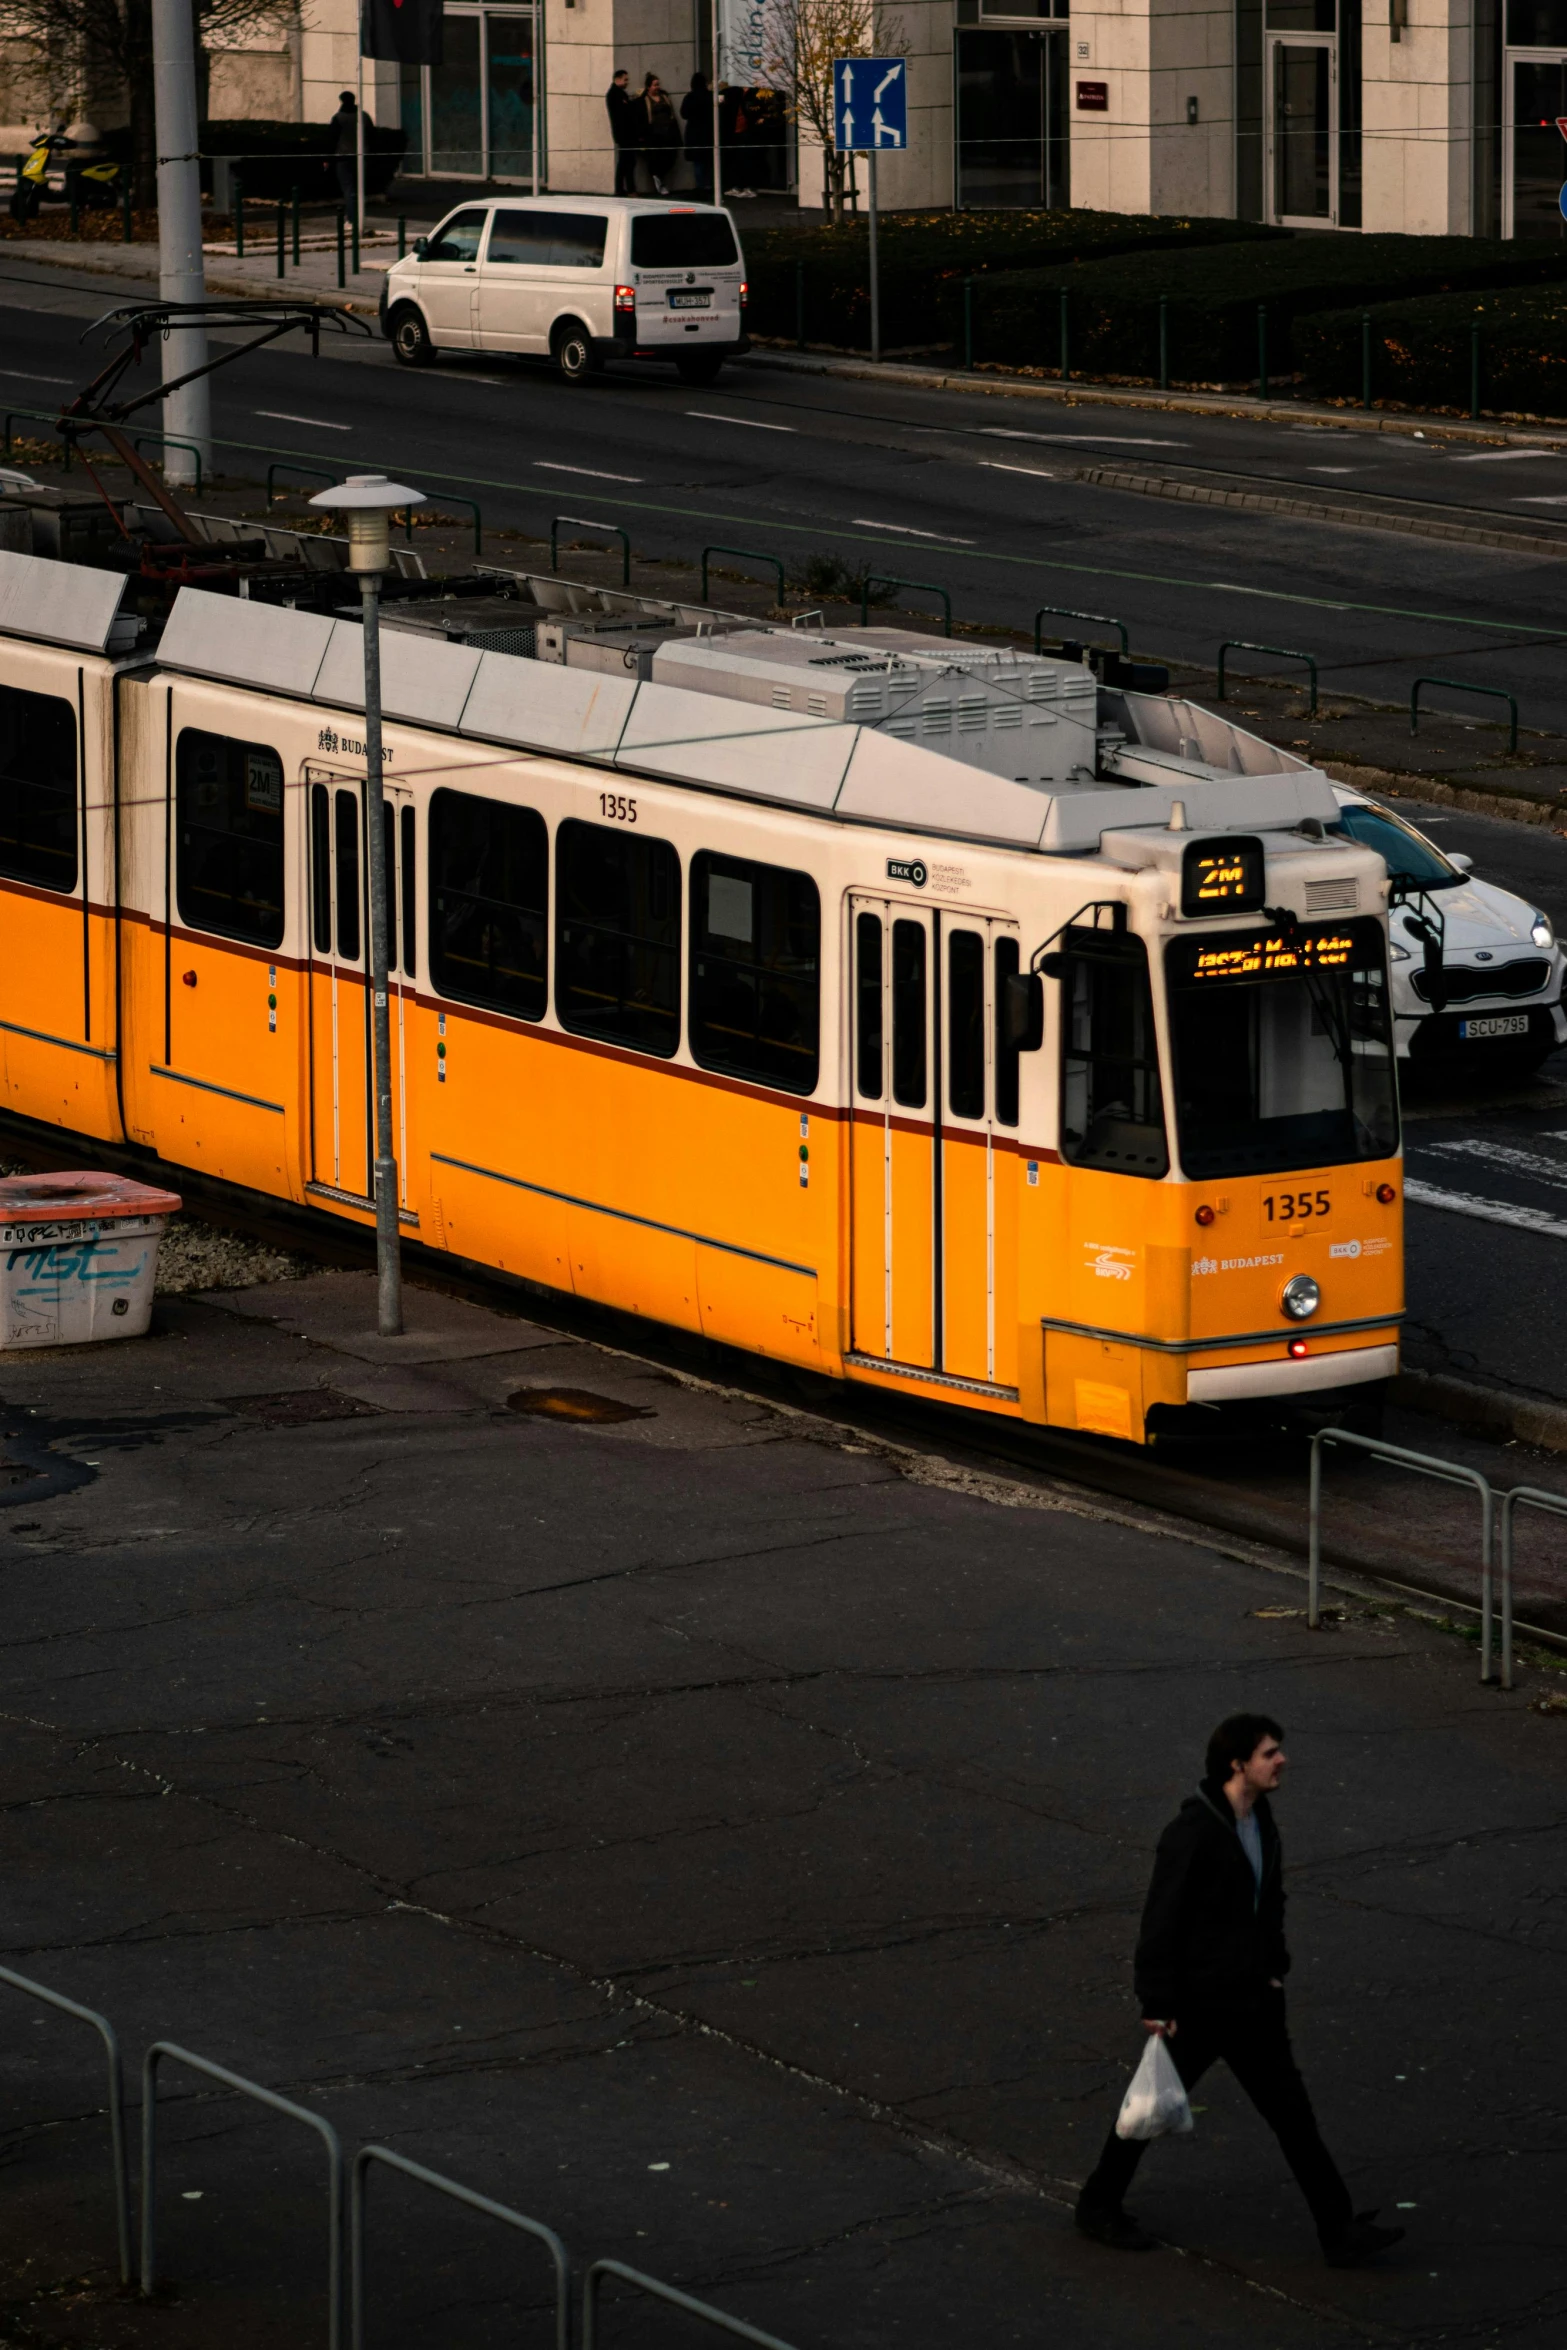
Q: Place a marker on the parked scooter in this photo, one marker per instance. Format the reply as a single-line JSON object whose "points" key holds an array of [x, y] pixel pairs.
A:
{"points": [[97, 182]]}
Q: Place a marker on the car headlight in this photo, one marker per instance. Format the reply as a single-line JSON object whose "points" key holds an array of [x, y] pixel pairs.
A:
{"points": [[1300, 1298], [1542, 933]]}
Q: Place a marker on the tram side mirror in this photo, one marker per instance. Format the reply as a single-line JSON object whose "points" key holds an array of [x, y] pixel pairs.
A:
{"points": [[1023, 1012], [1053, 966]]}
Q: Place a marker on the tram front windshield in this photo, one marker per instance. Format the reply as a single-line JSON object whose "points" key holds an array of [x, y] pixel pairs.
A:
{"points": [[1283, 1049]]}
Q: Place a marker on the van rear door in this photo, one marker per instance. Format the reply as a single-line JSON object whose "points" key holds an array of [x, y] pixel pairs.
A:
{"points": [[687, 268]]}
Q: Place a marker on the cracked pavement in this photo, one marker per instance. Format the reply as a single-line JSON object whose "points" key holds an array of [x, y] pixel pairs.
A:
{"points": [[721, 1837]]}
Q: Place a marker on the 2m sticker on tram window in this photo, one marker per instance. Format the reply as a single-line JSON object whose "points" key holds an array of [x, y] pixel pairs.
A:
{"points": [[617, 809], [1295, 1207]]}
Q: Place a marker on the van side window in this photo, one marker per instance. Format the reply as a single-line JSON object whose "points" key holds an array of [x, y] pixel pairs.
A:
{"points": [[617, 936], [756, 939], [867, 1006], [37, 789], [1112, 1104], [457, 239], [489, 902], [966, 1024], [549, 240], [229, 811]]}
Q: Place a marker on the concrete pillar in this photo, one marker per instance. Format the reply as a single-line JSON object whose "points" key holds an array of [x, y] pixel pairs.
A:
{"points": [[1159, 61], [1417, 95], [187, 414]]}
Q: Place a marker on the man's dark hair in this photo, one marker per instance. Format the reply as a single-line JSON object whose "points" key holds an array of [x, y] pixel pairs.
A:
{"points": [[1236, 1740], [619, 74]]}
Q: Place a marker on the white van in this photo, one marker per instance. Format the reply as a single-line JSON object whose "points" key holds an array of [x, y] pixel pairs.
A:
{"points": [[577, 279]]}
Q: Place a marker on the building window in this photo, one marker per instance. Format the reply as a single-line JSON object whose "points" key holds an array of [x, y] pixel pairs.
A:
{"points": [[1011, 130], [38, 789], [479, 114], [229, 805], [489, 902], [617, 940], [756, 971]]}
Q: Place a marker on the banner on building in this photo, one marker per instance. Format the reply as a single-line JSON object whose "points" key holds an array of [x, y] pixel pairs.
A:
{"points": [[407, 32], [749, 43]]}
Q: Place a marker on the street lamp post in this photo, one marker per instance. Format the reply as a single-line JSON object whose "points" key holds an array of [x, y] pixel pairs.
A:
{"points": [[369, 501]]}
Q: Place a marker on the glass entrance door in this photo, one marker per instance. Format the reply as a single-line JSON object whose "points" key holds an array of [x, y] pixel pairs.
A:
{"points": [[476, 115], [1535, 158], [1011, 125], [1303, 131]]}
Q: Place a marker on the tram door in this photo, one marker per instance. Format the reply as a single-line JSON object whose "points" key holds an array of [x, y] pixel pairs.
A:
{"points": [[925, 1221], [342, 1063]]}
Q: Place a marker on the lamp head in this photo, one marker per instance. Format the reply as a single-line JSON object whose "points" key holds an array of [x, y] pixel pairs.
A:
{"points": [[369, 501]]}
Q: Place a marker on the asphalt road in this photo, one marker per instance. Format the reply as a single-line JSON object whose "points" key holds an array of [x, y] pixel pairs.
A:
{"points": [[962, 490], [722, 1838]]}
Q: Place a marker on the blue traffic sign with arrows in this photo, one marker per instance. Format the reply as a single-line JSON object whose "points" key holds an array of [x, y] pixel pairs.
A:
{"points": [[870, 104]]}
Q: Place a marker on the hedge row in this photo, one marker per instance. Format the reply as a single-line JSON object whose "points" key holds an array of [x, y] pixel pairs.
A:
{"points": [[1211, 299], [1422, 351], [924, 257], [274, 158]]}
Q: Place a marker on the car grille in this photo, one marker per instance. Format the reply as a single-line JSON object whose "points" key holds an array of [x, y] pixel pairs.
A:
{"points": [[1463, 983]]}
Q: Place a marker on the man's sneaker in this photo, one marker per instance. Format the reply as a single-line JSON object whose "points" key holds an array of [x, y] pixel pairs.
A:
{"points": [[1118, 2229], [1361, 2240]]}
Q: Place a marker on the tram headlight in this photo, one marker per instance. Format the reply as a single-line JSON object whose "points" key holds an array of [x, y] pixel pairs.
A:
{"points": [[1301, 1297]]}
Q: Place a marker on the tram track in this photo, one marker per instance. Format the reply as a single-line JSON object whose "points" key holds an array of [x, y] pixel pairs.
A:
{"points": [[1173, 1488]]}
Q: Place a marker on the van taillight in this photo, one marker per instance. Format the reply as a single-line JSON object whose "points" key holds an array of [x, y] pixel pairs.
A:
{"points": [[745, 293], [625, 297]]}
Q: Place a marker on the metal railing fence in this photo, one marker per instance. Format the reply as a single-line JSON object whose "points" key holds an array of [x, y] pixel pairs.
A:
{"points": [[275, 2104], [1064, 612], [600, 530], [1424, 1464], [1536, 1498], [748, 555], [105, 2030], [1464, 685], [925, 587], [458, 2193], [659, 2291], [1241, 644]]}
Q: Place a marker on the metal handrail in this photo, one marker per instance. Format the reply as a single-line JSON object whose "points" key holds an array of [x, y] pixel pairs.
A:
{"points": [[1099, 619], [164, 441], [277, 2104], [600, 530], [102, 2026], [1423, 1464], [459, 2194], [1539, 1499], [1461, 685], [38, 416], [293, 465], [926, 587], [1241, 644], [750, 555], [670, 2293]]}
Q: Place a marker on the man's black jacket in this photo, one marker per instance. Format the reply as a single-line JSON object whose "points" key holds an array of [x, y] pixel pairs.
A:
{"points": [[617, 105], [1210, 1935]]}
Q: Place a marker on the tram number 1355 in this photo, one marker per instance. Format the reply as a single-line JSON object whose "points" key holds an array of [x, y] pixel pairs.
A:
{"points": [[1293, 1207], [616, 809]]}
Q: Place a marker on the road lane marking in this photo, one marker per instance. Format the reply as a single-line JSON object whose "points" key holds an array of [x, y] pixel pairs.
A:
{"points": [[906, 530], [1488, 1211], [1507, 1155], [26, 375], [994, 465], [1505, 456], [751, 423], [588, 472], [1539, 501], [1101, 440], [317, 423]]}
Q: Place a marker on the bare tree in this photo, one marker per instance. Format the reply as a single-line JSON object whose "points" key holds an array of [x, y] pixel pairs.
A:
{"points": [[803, 38], [109, 43]]}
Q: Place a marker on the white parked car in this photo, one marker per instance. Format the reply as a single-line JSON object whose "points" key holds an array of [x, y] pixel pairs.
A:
{"points": [[1477, 973], [581, 280]]}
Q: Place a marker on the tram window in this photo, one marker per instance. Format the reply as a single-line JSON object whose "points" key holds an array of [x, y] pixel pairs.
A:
{"points": [[489, 901], [321, 868], [966, 1024], [1007, 1054], [346, 815], [756, 936], [37, 788], [229, 798], [408, 885], [867, 1006], [908, 1014], [617, 940], [1112, 1104]]}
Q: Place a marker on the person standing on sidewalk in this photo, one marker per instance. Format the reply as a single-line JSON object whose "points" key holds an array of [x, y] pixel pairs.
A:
{"points": [[345, 153], [620, 106], [1210, 1968]]}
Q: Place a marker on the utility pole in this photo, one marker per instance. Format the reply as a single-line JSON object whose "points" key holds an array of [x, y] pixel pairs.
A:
{"points": [[718, 147], [182, 277]]}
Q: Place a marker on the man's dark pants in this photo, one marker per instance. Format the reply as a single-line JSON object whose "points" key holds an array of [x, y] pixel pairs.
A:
{"points": [[1250, 2037], [626, 171]]}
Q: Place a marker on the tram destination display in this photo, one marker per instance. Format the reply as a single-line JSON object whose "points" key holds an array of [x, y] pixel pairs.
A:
{"points": [[1223, 876], [1273, 954]]}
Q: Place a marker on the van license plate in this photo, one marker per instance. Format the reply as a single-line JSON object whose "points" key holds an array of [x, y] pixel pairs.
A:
{"points": [[1504, 1024], [702, 301]]}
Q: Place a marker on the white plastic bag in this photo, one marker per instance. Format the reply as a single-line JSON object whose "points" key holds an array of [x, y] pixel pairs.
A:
{"points": [[1155, 2104]]}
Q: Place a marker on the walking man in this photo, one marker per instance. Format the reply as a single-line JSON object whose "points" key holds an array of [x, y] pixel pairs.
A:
{"points": [[619, 105], [1209, 1973]]}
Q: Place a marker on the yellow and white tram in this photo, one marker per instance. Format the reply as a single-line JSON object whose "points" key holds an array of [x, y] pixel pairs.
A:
{"points": [[876, 1004]]}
